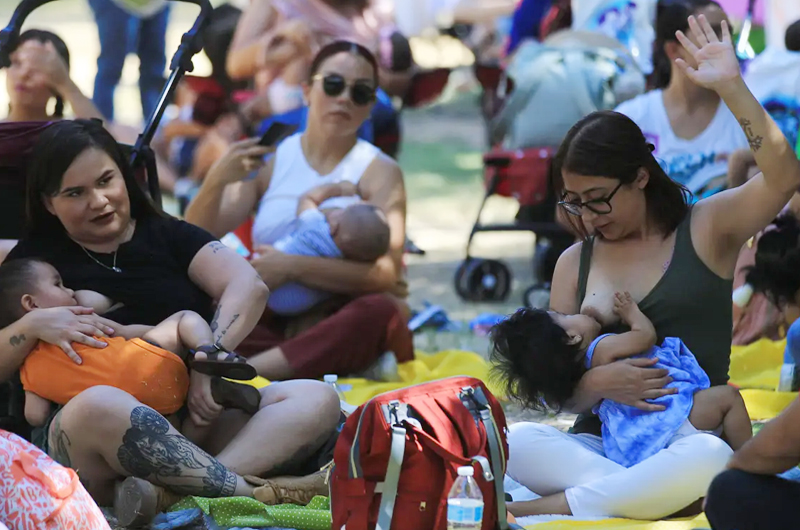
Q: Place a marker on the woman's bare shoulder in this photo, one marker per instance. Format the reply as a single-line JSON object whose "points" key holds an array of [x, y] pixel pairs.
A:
{"points": [[382, 169], [571, 257]]}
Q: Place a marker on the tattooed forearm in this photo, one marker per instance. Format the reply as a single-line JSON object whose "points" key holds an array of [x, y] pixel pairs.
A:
{"points": [[214, 321], [754, 140], [216, 246], [16, 340], [222, 333], [150, 451]]}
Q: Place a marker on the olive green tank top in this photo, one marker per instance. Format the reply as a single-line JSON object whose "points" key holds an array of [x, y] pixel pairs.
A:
{"points": [[690, 302]]}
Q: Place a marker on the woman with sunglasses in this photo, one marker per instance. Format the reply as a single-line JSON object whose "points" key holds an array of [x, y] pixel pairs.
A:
{"points": [[365, 320], [259, 48], [640, 235], [694, 134]]}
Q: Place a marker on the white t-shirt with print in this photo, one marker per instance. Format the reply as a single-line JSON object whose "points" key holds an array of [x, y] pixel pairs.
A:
{"points": [[693, 162]]}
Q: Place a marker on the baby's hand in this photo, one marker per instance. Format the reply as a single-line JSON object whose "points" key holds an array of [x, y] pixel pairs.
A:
{"points": [[347, 188], [624, 306]]}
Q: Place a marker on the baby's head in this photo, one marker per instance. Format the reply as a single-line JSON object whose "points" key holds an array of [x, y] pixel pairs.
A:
{"points": [[540, 356], [792, 37], [776, 271], [28, 284], [361, 232]]}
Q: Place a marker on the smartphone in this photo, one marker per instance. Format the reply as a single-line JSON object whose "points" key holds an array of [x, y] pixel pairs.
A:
{"points": [[277, 132]]}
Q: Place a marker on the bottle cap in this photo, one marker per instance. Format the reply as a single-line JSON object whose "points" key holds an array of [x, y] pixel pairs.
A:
{"points": [[330, 378], [466, 471]]}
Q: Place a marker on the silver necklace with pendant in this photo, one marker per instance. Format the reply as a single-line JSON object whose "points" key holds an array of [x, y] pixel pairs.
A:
{"points": [[113, 266]]}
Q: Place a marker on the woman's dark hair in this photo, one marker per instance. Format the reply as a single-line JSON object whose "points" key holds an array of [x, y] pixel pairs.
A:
{"points": [[610, 144], [16, 279], [671, 16], [343, 46], [60, 46], [55, 150], [776, 271], [534, 361], [792, 38]]}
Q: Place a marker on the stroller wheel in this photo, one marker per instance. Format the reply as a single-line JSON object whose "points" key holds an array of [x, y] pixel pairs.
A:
{"points": [[483, 280], [537, 296]]}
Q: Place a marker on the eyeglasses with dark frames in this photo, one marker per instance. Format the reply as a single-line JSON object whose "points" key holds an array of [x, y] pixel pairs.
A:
{"points": [[600, 206]]}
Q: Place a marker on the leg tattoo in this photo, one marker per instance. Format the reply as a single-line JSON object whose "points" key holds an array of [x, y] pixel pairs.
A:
{"points": [[151, 452], [59, 443]]}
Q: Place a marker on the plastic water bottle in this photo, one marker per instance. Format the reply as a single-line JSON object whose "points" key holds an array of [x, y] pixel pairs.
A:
{"points": [[465, 502], [332, 380]]}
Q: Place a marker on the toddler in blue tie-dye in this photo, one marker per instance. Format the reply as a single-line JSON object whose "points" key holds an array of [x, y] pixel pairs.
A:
{"points": [[542, 355]]}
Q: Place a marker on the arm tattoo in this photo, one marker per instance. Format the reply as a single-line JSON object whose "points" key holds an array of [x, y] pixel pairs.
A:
{"points": [[16, 340], [754, 141], [214, 324], [149, 451], [228, 327], [216, 246]]}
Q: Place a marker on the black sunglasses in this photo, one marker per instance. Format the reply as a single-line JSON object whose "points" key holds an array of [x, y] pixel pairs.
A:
{"points": [[361, 92], [600, 206]]}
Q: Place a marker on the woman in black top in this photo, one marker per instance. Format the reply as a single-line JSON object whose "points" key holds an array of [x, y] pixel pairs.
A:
{"points": [[88, 217]]}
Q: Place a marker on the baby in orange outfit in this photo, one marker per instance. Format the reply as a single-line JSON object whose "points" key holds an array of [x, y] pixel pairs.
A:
{"points": [[148, 362]]}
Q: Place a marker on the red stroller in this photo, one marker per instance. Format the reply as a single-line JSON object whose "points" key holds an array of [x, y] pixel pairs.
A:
{"points": [[525, 176], [17, 140]]}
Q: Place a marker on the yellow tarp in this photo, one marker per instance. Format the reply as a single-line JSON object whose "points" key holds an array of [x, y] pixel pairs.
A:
{"points": [[678, 524], [754, 368], [757, 365], [426, 367]]}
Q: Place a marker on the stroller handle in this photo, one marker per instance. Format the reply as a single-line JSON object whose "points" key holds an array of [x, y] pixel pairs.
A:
{"points": [[10, 34]]}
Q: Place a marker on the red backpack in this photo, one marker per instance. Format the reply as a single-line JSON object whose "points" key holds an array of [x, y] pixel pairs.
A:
{"points": [[398, 455]]}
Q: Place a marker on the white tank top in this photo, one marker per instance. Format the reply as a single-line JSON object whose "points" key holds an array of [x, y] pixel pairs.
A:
{"points": [[292, 176]]}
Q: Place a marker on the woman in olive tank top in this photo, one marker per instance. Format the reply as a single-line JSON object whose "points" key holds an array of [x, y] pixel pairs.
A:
{"points": [[640, 235]]}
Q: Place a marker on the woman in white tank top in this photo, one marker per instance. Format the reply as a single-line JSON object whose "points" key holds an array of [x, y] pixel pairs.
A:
{"points": [[370, 320]]}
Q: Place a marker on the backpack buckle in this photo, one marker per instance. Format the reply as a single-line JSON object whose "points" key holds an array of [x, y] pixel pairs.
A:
{"points": [[488, 476]]}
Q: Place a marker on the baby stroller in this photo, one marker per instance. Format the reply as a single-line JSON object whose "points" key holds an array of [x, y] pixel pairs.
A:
{"points": [[17, 140], [528, 110]]}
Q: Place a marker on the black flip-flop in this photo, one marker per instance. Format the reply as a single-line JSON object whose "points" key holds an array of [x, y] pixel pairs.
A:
{"points": [[221, 363], [231, 395]]}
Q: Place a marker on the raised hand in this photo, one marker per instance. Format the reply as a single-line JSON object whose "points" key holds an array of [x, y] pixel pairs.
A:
{"points": [[47, 67], [716, 62]]}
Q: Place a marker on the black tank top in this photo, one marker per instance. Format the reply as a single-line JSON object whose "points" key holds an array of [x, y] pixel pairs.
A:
{"points": [[690, 302]]}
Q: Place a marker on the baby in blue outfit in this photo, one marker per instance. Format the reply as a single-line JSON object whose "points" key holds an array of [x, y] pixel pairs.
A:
{"points": [[358, 232], [542, 355]]}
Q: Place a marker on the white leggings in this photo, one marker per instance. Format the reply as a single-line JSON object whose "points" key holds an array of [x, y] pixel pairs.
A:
{"points": [[547, 461]]}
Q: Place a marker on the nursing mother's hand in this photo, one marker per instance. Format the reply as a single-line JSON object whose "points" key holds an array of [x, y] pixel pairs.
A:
{"points": [[62, 326], [272, 265], [242, 159], [633, 382]]}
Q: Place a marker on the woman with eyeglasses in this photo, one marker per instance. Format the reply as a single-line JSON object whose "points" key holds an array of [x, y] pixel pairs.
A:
{"points": [[365, 321], [640, 235], [693, 133]]}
